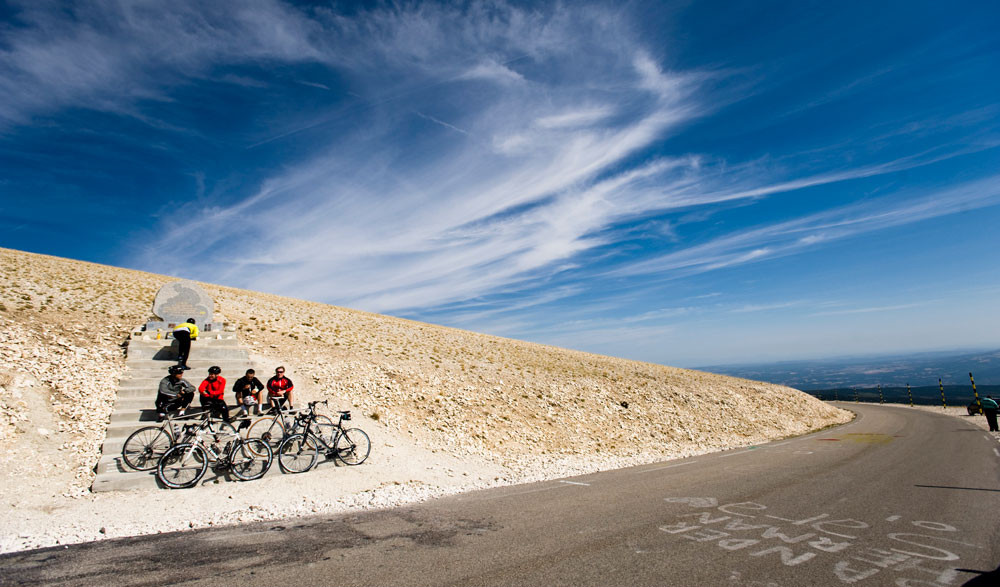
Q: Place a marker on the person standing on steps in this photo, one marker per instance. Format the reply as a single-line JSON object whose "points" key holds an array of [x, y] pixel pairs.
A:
{"points": [[213, 393], [173, 393], [184, 334], [247, 390], [990, 410], [279, 389]]}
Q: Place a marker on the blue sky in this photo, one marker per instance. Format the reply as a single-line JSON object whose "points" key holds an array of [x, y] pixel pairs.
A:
{"points": [[684, 183]]}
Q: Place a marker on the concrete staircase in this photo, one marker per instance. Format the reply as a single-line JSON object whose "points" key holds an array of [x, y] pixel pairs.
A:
{"points": [[146, 364]]}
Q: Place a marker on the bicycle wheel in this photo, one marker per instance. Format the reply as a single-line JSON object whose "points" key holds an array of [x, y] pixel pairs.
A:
{"points": [[182, 466], [268, 429], [297, 454], [222, 428], [144, 447], [352, 446], [251, 459]]}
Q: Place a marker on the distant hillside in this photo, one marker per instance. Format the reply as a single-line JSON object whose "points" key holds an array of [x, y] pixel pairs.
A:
{"points": [[64, 324], [955, 395], [919, 370]]}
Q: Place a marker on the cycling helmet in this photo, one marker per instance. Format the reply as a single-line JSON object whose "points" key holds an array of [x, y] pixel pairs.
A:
{"points": [[175, 369], [215, 369]]}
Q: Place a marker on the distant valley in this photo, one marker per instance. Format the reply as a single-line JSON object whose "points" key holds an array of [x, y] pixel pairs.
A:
{"points": [[839, 377]]}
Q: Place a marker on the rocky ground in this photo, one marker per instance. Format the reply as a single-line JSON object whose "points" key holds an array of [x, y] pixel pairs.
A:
{"points": [[448, 410]]}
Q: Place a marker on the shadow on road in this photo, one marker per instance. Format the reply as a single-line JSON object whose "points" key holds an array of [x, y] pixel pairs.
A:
{"points": [[985, 578]]}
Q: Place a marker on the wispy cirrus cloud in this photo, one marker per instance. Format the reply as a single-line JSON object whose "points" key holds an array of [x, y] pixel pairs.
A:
{"points": [[523, 174], [111, 56], [874, 309], [505, 169], [789, 237]]}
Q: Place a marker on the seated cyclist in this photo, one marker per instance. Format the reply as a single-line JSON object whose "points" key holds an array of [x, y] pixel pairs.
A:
{"points": [[247, 390], [279, 390], [174, 392], [213, 391]]}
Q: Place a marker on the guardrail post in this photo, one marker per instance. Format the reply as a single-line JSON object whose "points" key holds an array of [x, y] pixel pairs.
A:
{"points": [[975, 394]]}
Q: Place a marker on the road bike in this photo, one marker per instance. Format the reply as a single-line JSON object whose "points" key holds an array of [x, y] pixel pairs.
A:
{"points": [[298, 452], [144, 447], [184, 464], [278, 424]]}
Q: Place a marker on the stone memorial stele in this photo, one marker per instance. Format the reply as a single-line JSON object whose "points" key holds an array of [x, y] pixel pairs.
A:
{"points": [[179, 300]]}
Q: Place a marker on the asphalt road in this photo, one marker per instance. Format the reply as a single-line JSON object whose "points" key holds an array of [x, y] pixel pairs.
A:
{"points": [[898, 497]]}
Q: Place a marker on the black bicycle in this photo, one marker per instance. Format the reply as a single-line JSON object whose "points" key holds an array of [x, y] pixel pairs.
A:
{"points": [[184, 464], [299, 452]]}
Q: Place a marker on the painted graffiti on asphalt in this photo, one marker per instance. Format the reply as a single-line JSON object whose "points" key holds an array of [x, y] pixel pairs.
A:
{"points": [[917, 552]]}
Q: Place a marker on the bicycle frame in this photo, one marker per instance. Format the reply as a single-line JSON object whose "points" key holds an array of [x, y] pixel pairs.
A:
{"points": [[278, 417], [328, 447]]}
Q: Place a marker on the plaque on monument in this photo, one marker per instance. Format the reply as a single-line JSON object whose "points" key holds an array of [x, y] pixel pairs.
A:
{"points": [[179, 300]]}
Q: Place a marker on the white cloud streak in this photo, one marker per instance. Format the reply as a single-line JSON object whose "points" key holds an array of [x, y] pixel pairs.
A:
{"points": [[110, 56], [515, 182], [512, 186], [790, 237]]}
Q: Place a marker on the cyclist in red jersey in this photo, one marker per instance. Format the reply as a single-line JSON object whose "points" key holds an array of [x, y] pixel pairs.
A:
{"points": [[279, 389], [212, 391]]}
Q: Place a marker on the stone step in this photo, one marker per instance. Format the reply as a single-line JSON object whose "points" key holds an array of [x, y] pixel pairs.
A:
{"points": [[195, 355], [148, 392], [231, 369], [147, 414], [148, 401], [168, 342], [170, 354], [116, 481], [112, 463], [168, 346], [193, 361], [121, 430], [120, 427], [194, 375], [135, 403], [148, 383], [150, 338]]}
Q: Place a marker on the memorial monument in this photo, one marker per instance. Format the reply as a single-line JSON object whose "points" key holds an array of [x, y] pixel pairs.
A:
{"points": [[179, 300]]}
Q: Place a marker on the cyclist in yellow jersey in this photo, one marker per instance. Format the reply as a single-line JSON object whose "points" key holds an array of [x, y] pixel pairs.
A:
{"points": [[184, 334]]}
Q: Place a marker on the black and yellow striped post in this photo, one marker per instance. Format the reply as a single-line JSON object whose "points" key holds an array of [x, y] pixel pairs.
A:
{"points": [[909, 394], [975, 394], [836, 396], [944, 404], [881, 399], [856, 400]]}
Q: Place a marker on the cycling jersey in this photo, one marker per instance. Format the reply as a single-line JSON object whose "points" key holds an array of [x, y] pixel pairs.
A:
{"points": [[279, 386], [213, 389]]}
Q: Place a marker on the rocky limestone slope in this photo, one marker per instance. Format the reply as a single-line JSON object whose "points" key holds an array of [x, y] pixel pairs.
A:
{"points": [[527, 408]]}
